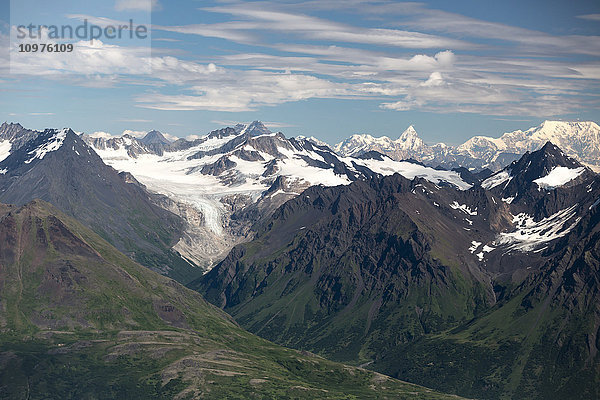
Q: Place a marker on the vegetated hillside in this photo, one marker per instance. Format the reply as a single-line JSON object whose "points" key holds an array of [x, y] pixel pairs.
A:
{"points": [[539, 342], [490, 292], [353, 271], [57, 166], [80, 320]]}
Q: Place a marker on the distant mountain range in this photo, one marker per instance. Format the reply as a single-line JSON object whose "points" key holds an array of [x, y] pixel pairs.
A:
{"points": [[226, 181], [489, 292], [578, 139]]}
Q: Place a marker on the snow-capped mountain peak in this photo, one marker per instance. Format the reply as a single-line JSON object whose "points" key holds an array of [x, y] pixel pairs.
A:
{"points": [[54, 142], [410, 132], [256, 128], [153, 137], [313, 140], [409, 140], [547, 168], [579, 139]]}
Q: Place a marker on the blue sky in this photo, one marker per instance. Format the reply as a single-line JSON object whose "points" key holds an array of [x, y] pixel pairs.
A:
{"points": [[324, 68]]}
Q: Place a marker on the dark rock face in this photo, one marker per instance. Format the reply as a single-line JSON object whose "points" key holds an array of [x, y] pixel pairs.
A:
{"points": [[218, 167], [155, 137], [473, 178], [358, 259], [71, 176], [16, 134], [416, 279]]}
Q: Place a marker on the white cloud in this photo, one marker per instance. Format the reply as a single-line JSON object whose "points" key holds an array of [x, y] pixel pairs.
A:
{"points": [[170, 137], [591, 17], [435, 79], [246, 90], [101, 134], [88, 58], [402, 54], [277, 125], [263, 19], [136, 134]]}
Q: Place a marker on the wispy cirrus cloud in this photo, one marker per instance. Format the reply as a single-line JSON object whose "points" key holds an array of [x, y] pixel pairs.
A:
{"points": [[590, 17], [455, 75], [236, 91], [404, 55], [266, 19]]}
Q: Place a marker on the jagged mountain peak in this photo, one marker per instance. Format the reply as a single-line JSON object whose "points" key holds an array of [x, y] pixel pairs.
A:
{"points": [[153, 137], [42, 146], [406, 146], [256, 128], [409, 132], [410, 140], [551, 149], [548, 168], [313, 140], [8, 126], [543, 161], [13, 135], [580, 139]]}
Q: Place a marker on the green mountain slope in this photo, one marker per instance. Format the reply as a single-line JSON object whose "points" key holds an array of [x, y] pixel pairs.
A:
{"points": [[381, 273], [351, 272], [79, 320], [75, 180], [541, 342]]}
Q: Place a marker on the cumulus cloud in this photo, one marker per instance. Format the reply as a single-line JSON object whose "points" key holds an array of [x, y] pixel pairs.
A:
{"points": [[435, 79], [101, 134], [136, 134]]}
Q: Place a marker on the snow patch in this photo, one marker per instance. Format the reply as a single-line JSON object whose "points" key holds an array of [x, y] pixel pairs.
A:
{"points": [[529, 234], [485, 249], [559, 176], [410, 171], [52, 144], [5, 147], [495, 180], [474, 246], [464, 208]]}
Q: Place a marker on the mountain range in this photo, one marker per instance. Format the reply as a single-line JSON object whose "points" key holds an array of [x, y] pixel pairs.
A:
{"points": [[489, 292], [59, 167], [224, 182], [578, 139], [473, 269], [80, 320]]}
